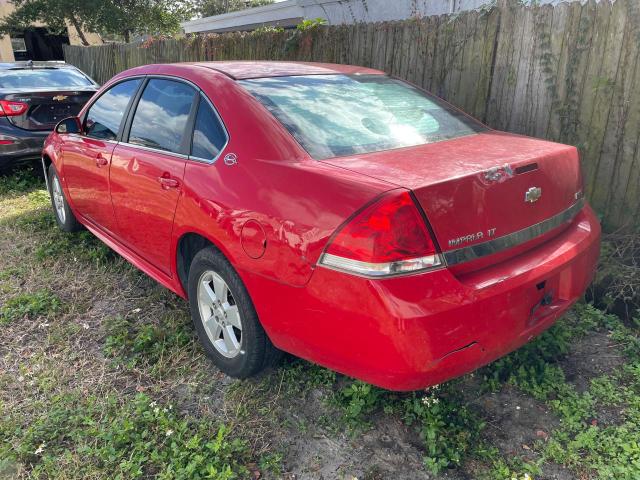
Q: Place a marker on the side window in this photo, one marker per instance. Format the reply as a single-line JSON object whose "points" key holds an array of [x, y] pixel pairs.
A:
{"points": [[105, 115], [208, 133], [161, 116]]}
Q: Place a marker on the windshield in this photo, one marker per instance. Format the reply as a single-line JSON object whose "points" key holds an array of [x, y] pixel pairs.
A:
{"points": [[339, 115], [43, 78]]}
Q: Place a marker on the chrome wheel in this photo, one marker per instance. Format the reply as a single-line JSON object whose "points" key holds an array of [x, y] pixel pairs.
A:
{"points": [[58, 199], [220, 315]]}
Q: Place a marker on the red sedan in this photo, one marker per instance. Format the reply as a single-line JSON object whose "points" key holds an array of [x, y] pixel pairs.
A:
{"points": [[328, 211]]}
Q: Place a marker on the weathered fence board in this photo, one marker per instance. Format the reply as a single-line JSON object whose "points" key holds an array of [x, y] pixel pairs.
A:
{"points": [[569, 73]]}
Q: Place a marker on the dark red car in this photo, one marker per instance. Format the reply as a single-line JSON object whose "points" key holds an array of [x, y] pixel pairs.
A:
{"points": [[329, 211]]}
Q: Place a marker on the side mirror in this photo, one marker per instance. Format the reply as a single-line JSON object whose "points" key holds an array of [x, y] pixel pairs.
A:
{"points": [[69, 125]]}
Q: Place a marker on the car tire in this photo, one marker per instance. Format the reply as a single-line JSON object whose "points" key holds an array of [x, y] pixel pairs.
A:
{"points": [[65, 218], [225, 318]]}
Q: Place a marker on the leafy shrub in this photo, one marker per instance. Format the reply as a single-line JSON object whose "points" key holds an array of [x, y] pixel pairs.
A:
{"points": [[310, 24]]}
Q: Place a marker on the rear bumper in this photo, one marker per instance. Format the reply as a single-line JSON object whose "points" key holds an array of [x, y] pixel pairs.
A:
{"points": [[411, 332], [26, 145]]}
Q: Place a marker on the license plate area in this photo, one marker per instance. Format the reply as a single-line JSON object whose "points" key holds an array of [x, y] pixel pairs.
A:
{"points": [[549, 300]]}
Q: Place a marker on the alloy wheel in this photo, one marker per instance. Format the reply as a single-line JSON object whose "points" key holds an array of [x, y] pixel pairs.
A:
{"points": [[58, 199], [220, 315]]}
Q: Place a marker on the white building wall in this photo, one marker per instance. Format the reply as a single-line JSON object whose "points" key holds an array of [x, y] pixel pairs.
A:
{"points": [[336, 12], [352, 11]]}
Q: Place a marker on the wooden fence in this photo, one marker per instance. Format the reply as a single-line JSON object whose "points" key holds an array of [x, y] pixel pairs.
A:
{"points": [[568, 73]]}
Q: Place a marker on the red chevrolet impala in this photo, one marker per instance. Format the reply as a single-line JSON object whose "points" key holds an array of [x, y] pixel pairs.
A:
{"points": [[328, 211]]}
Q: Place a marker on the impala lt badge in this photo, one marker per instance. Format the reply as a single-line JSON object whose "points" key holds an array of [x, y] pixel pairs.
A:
{"points": [[472, 237], [533, 194]]}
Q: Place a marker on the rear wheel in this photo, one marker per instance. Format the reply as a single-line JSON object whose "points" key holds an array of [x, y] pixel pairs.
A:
{"points": [[225, 318], [65, 218]]}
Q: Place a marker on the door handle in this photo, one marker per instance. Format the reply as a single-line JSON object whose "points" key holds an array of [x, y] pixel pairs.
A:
{"points": [[167, 182], [101, 161]]}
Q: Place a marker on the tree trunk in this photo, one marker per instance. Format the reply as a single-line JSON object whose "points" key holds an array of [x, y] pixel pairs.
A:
{"points": [[127, 36], [76, 25]]}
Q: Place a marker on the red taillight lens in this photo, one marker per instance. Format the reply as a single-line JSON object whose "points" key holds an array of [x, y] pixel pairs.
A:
{"points": [[388, 237], [12, 109]]}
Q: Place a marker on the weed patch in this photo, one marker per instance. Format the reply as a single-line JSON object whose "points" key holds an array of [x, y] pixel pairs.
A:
{"points": [[136, 345], [20, 181], [29, 305], [111, 438]]}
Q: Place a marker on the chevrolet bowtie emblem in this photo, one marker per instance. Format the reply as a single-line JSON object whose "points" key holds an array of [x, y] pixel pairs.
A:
{"points": [[60, 98], [533, 194]]}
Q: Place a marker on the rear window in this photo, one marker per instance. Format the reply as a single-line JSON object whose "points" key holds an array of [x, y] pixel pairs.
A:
{"points": [[340, 115], [43, 78]]}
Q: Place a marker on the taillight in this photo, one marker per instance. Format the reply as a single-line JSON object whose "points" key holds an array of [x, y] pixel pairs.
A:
{"points": [[12, 109], [388, 237]]}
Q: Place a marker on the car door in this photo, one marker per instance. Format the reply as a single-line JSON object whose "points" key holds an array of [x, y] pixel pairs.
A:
{"points": [[87, 155], [147, 168]]}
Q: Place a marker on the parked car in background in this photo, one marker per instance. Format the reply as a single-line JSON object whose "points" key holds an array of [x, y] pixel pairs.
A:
{"points": [[34, 97], [329, 211]]}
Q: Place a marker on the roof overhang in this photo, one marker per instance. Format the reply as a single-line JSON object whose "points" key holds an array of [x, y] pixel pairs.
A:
{"points": [[284, 14]]}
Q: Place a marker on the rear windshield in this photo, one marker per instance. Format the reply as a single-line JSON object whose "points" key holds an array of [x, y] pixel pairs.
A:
{"points": [[43, 78], [339, 115]]}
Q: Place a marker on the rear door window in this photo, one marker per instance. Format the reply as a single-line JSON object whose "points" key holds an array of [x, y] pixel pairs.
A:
{"points": [[162, 115], [105, 116], [209, 136]]}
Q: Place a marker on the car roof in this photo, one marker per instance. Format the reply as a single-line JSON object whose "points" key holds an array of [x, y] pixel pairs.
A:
{"points": [[243, 70], [35, 65]]}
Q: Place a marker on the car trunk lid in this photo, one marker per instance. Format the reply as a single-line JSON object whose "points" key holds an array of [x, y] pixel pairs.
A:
{"points": [[480, 187], [47, 108]]}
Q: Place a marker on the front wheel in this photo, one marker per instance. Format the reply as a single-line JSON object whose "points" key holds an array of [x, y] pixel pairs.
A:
{"points": [[225, 318], [65, 218]]}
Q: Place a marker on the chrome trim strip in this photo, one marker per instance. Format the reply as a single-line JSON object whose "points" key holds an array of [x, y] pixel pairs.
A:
{"points": [[380, 270], [473, 252], [155, 150]]}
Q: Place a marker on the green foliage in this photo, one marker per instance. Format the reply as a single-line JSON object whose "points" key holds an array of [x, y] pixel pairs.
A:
{"points": [[79, 246], [299, 377], [40, 303], [448, 428], [359, 399], [310, 24], [20, 181], [145, 345], [612, 451], [209, 8], [267, 29], [272, 463], [109, 437], [99, 16]]}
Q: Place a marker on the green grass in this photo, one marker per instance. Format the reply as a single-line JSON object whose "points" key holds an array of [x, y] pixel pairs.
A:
{"points": [[20, 181], [115, 437], [147, 345], [41, 303]]}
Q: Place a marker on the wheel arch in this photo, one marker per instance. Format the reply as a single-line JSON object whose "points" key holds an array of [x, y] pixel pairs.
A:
{"points": [[188, 245], [46, 161]]}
